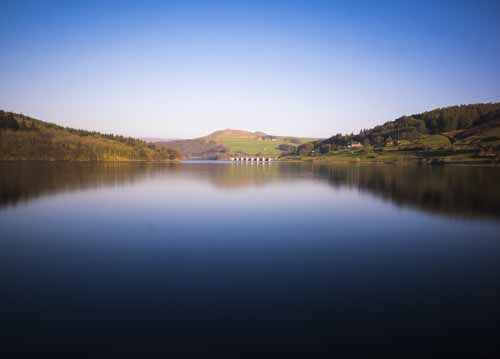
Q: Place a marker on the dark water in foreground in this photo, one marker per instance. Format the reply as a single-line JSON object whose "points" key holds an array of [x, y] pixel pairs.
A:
{"points": [[254, 258]]}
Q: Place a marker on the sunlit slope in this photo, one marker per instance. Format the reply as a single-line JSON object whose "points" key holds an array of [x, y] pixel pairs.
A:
{"points": [[254, 143], [26, 138], [456, 134]]}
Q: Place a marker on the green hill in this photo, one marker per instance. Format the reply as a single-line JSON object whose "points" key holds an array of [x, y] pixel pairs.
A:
{"points": [[221, 135], [26, 138], [229, 142]]}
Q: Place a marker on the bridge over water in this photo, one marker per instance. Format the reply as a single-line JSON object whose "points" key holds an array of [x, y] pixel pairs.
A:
{"points": [[252, 159]]}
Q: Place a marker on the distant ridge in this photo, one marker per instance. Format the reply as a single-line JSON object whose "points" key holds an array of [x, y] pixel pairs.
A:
{"points": [[159, 139], [232, 133], [225, 143]]}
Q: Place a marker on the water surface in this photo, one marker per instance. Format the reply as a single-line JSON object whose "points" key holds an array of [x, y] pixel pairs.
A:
{"points": [[250, 257]]}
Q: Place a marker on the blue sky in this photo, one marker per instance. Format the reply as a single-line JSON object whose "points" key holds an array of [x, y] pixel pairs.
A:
{"points": [[182, 69]]}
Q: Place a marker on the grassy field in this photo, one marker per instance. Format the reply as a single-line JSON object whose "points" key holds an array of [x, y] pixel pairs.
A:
{"points": [[391, 157], [348, 156], [435, 141], [257, 146], [429, 149]]}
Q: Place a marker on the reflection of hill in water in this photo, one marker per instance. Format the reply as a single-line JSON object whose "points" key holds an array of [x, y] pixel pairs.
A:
{"points": [[456, 191], [24, 181], [241, 175]]}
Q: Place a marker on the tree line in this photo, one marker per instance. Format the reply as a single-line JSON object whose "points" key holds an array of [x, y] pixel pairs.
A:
{"points": [[413, 127], [25, 138]]}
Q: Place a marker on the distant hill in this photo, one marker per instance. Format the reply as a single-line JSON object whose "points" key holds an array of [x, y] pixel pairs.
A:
{"points": [[230, 142], [221, 135], [158, 139], [26, 138]]}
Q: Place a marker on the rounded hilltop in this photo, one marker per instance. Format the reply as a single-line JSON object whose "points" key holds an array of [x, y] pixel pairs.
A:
{"points": [[233, 133]]}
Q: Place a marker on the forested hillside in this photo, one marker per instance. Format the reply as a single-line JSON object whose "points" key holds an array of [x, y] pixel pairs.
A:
{"points": [[473, 125], [199, 149], [25, 138]]}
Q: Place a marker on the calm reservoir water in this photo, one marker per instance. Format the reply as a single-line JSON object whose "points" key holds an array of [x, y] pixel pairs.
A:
{"points": [[249, 257]]}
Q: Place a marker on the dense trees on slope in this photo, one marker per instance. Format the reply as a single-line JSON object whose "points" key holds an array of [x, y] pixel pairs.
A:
{"points": [[287, 149], [442, 120], [199, 149], [25, 138]]}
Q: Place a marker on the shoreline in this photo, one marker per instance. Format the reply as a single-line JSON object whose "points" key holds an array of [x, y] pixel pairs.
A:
{"points": [[90, 161], [406, 160], [395, 161]]}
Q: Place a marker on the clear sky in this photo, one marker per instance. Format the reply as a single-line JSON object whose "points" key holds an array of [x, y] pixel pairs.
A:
{"points": [[182, 69]]}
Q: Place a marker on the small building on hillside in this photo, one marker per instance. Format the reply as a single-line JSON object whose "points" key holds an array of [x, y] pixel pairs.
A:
{"points": [[355, 144]]}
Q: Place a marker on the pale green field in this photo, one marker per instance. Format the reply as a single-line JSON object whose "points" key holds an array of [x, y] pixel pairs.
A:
{"points": [[253, 146], [435, 141], [429, 141]]}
